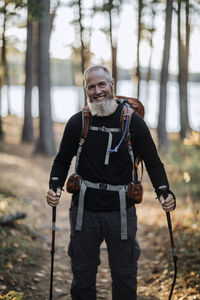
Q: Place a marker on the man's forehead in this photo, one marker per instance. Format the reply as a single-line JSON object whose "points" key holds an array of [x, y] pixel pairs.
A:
{"points": [[96, 75]]}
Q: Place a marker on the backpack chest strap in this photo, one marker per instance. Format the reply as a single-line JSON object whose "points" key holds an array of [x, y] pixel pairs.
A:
{"points": [[109, 131]]}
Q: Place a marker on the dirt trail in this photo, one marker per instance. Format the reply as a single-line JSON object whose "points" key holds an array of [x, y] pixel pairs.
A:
{"points": [[28, 175]]}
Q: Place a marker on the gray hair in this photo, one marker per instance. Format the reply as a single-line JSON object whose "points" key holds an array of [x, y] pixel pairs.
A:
{"points": [[97, 67]]}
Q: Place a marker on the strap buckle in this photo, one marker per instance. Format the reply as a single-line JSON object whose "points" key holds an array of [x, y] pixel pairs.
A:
{"points": [[101, 129], [102, 186]]}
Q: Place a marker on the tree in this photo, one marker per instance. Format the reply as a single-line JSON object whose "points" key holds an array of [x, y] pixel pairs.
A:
{"points": [[161, 129], [81, 53], [138, 75], [45, 143], [28, 133], [111, 7], [81, 36], [8, 8], [82, 42], [5, 76], [113, 47], [149, 30], [33, 16], [183, 56], [3, 58]]}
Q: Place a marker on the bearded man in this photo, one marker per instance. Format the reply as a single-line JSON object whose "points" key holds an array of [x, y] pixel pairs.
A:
{"points": [[100, 210]]}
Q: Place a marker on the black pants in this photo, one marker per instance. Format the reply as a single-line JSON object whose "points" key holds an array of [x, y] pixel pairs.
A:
{"points": [[84, 250]]}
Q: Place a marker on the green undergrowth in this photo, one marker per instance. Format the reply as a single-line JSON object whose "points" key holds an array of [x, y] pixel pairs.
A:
{"points": [[182, 162]]}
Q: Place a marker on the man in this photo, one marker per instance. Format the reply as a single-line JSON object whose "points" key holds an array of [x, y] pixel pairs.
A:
{"points": [[100, 211]]}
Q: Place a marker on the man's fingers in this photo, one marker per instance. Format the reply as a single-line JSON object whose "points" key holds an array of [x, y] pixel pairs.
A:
{"points": [[168, 204], [162, 200], [52, 197], [53, 202], [169, 208], [58, 192]]}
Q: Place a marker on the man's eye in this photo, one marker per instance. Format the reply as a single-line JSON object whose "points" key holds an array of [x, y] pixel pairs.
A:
{"points": [[91, 88], [102, 84]]}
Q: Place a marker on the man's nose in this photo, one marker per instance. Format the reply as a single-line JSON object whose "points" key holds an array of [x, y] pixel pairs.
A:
{"points": [[97, 90]]}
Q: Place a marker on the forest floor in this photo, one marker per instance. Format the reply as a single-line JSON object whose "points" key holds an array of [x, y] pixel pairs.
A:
{"points": [[25, 244]]}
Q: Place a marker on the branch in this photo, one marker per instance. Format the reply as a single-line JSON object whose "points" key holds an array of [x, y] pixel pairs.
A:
{"points": [[5, 220]]}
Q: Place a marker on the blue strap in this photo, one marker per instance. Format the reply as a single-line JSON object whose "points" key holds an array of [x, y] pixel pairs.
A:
{"points": [[123, 136]]}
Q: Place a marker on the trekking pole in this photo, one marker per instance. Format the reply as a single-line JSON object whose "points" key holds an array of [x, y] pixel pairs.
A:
{"points": [[54, 187], [175, 258]]}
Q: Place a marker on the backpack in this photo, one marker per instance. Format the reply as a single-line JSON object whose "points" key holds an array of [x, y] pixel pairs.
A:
{"points": [[134, 105], [134, 189]]}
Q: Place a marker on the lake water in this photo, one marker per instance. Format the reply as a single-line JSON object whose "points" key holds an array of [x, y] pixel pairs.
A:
{"points": [[68, 100]]}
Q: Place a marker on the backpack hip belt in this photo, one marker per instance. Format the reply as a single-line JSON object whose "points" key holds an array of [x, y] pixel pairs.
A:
{"points": [[132, 190], [106, 187]]}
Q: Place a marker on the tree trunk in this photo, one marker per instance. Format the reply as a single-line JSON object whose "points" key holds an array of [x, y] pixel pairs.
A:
{"points": [[82, 43], [152, 30], [4, 59], [161, 130], [35, 53], [45, 144], [114, 66], [1, 129], [113, 48], [28, 132], [182, 77], [138, 75], [3, 66]]}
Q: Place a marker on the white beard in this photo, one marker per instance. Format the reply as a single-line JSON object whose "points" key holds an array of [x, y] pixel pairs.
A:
{"points": [[104, 109]]}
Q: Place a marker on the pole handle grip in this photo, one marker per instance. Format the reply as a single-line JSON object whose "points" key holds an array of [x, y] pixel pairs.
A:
{"points": [[54, 183], [54, 186]]}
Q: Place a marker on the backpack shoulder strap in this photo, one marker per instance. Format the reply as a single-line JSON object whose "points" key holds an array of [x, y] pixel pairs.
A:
{"points": [[125, 120], [84, 132], [85, 122], [128, 111]]}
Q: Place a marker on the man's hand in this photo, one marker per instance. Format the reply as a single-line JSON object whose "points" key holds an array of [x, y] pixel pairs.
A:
{"points": [[169, 203], [52, 197]]}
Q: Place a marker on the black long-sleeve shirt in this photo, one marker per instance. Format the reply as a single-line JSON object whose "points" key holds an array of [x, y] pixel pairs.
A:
{"points": [[91, 165]]}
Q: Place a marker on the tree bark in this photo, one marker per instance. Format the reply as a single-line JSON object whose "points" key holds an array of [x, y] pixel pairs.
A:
{"points": [[45, 144], [5, 80], [35, 53], [140, 6], [1, 129], [82, 43], [161, 129], [113, 48], [28, 132], [3, 66], [114, 66], [182, 80]]}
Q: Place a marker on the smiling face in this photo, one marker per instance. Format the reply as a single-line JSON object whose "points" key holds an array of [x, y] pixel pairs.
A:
{"points": [[98, 87]]}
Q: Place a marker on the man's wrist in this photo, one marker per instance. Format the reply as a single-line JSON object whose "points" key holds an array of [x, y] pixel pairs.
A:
{"points": [[162, 189]]}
